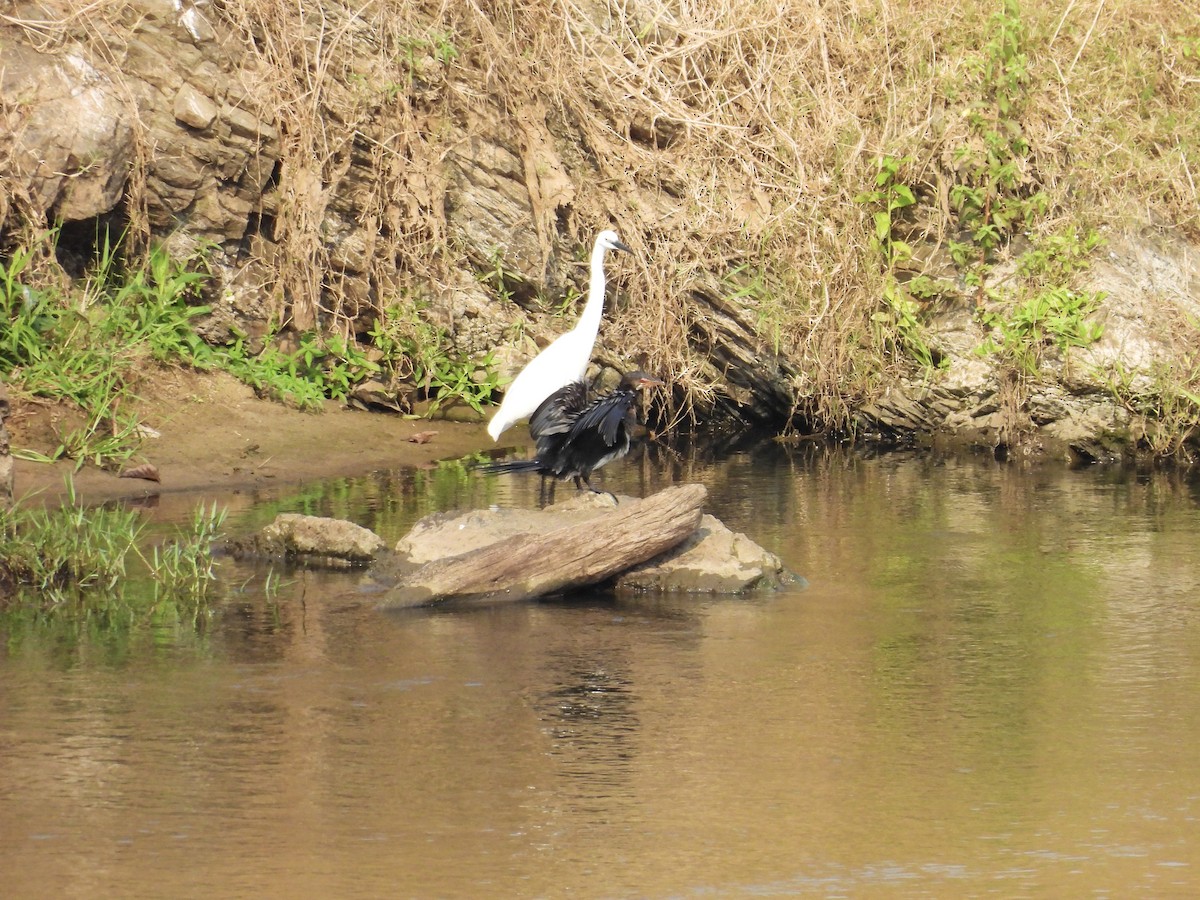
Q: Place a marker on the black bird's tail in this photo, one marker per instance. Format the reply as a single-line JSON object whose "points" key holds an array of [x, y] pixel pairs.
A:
{"points": [[510, 465]]}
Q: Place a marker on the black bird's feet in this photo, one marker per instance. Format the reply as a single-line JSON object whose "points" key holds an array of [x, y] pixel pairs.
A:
{"points": [[581, 480]]}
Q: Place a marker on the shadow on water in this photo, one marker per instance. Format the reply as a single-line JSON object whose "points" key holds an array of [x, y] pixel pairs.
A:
{"points": [[990, 685]]}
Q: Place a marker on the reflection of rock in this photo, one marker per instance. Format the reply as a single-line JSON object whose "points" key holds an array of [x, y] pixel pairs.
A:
{"points": [[714, 560], [520, 554], [332, 542]]}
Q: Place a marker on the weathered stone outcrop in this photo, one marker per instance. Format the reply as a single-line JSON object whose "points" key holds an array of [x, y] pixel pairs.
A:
{"points": [[162, 105], [661, 543], [156, 93], [1150, 283], [341, 164], [146, 113]]}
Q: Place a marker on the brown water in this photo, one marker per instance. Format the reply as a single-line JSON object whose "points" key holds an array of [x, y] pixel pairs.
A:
{"points": [[989, 687]]}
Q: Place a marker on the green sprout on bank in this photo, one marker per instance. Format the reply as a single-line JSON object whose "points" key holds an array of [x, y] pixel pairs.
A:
{"points": [[413, 350], [1053, 318]]}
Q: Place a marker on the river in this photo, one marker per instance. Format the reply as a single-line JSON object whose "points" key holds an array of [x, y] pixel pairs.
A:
{"points": [[988, 686]]}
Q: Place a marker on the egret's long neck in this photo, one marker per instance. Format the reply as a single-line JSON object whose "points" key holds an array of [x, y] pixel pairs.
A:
{"points": [[589, 321]]}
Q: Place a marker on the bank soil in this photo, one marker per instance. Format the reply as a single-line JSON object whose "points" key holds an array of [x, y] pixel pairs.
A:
{"points": [[214, 434]]}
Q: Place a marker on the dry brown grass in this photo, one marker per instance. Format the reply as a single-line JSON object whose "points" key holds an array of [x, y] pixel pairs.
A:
{"points": [[725, 139], [731, 134]]}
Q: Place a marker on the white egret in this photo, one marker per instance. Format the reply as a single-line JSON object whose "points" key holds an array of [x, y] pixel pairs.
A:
{"points": [[575, 435], [566, 359]]}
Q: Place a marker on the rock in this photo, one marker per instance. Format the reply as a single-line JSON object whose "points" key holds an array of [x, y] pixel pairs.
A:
{"points": [[74, 144], [324, 541], [712, 560], [194, 109], [592, 547], [177, 108], [1077, 404], [113, 85], [709, 558]]}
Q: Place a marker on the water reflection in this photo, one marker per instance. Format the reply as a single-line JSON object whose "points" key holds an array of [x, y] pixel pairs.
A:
{"points": [[991, 685]]}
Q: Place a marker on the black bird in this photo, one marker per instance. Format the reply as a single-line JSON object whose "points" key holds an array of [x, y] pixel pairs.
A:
{"points": [[575, 435]]}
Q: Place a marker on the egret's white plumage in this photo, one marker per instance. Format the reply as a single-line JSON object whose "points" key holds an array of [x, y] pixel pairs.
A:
{"points": [[566, 359]]}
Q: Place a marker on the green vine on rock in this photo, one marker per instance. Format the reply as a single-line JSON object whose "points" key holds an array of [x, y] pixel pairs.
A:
{"points": [[899, 321]]}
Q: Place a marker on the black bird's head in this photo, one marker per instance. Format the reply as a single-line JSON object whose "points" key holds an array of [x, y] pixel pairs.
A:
{"points": [[638, 380]]}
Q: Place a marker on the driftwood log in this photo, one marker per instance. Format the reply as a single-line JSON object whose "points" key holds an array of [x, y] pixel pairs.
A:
{"points": [[532, 565]]}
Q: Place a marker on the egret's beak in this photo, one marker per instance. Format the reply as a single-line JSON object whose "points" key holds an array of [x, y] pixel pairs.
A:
{"points": [[618, 245]]}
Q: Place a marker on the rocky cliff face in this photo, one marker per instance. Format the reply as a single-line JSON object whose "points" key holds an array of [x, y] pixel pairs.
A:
{"points": [[332, 161], [168, 116], [1086, 403]]}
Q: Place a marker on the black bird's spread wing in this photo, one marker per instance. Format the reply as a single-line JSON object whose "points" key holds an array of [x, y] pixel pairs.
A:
{"points": [[576, 435], [604, 417], [557, 412]]}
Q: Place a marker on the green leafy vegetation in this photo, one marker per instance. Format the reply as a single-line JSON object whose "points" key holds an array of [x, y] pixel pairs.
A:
{"points": [[414, 350], [1167, 399], [320, 368], [1055, 317], [899, 321], [88, 345], [183, 567], [1042, 311], [994, 193], [993, 196]]}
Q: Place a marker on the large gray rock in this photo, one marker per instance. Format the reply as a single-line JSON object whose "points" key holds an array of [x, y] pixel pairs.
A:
{"points": [[707, 557], [713, 560]]}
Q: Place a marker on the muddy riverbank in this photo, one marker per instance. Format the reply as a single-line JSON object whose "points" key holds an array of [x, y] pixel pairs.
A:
{"points": [[214, 433]]}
